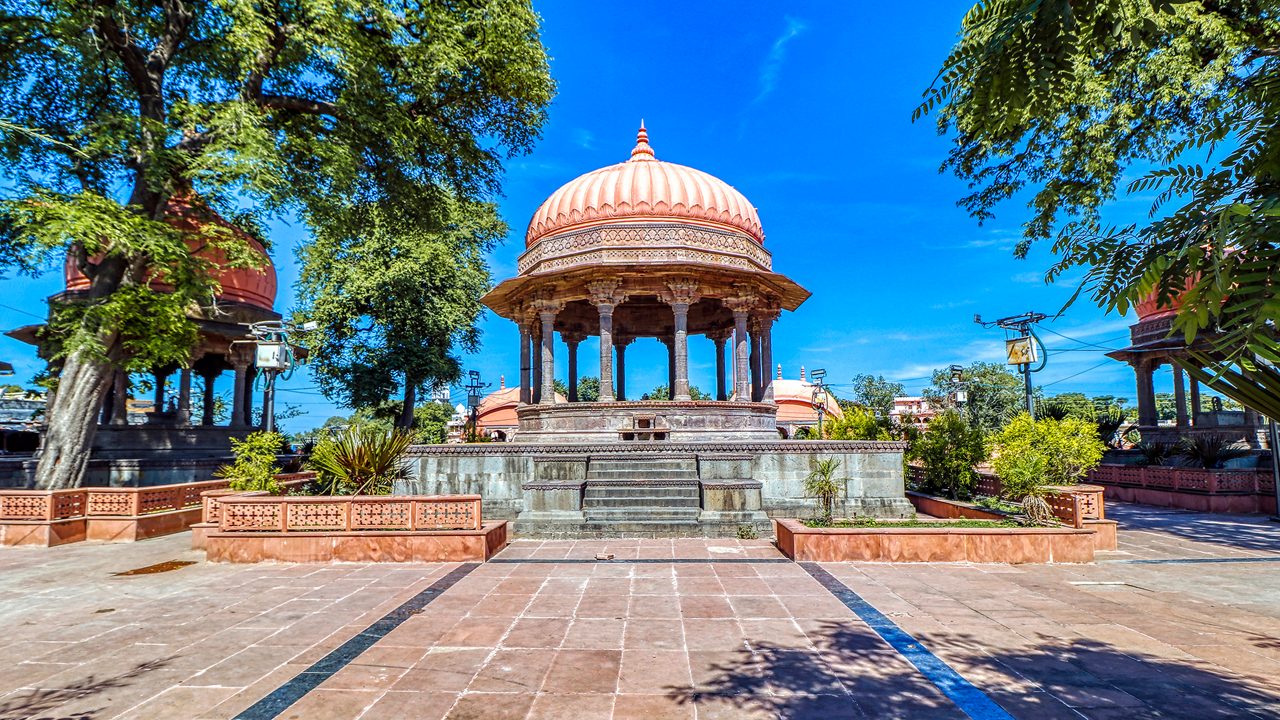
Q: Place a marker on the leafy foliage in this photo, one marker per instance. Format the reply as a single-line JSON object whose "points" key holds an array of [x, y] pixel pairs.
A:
{"points": [[363, 460], [254, 467], [995, 395], [1063, 98], [1154, 452], [856, 423], [662, 392], [823, 484], [949, 450], [1067, 449], [1209, 451], [876, 393], [394, 297]]}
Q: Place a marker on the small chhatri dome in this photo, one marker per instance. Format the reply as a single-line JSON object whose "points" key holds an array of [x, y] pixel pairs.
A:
{"points": [[646, 189]]}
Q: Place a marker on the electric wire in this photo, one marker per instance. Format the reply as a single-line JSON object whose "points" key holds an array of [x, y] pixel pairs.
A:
{"points": [[1090, 369]]}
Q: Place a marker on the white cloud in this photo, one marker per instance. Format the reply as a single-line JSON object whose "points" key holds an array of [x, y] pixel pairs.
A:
{"points": [[777, 54]]}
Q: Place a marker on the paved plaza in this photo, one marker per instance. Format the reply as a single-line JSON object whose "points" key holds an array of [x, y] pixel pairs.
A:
{"points": [[1183, 621]]}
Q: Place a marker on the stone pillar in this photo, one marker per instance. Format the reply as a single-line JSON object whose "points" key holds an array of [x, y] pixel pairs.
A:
{"points": [[547, 309], [604, 295], [1195, 401], [535, 353], [671, 367], [741, 307], [120, 408], [1147, 415], [159, 399], [620, 344], [1180, 396], [207, 405], [525, 363], [184, 396], [683, 293], [719, 338], [240, 365], [756, 379], [767, 319], [571, 341], [251, 373]]}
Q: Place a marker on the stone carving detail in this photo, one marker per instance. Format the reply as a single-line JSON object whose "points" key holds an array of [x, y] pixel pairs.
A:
{"points": [[448, 515], [110, 504], [317, 516], [387, 515], [605, 292], [649, 241], [23, 507], [682, 291], [251, 516]]}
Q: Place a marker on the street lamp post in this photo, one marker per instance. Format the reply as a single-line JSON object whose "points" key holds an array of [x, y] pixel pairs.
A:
{"points": [[819, 396], [273, 356]]}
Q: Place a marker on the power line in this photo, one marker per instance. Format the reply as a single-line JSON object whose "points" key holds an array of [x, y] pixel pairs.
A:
{"points": [[1095, 367], [20, 310], [1082, 342]]}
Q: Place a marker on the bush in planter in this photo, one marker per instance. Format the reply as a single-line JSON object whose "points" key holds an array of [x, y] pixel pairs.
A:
{"points": [[1070, 448], [254, 468], [822, 484], [362, 460], [1209, 451], [1154, 452], [949, 450], [856, 423]]}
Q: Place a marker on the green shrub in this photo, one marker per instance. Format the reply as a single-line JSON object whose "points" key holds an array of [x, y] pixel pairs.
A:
{"points": [[949, 450], [822, 484], [363, 460], [254, 468], [1067, 449], [855, 423], [1209, 451], [1154, 452]]}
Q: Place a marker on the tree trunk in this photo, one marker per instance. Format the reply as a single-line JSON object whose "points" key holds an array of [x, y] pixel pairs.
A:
{"points": [[405, 420], [72, 419]]}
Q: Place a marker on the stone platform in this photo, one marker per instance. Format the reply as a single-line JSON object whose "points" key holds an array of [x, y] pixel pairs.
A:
{"points": [[658, 489]]}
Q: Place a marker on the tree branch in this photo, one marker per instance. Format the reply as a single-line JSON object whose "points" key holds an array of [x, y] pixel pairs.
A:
{"points": [[296, 104], [177, 18], [135, 62]]}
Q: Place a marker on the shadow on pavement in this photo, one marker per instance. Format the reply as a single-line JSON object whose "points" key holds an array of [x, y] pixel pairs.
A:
{"points": [[851, 672], [32, 704], [1243, 532]]}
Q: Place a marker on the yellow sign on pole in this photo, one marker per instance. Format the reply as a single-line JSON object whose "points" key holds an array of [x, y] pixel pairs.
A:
{"points": [[1020, 350]]}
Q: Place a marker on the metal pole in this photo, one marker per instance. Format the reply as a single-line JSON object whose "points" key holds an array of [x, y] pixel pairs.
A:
{"points": [[269, 402], [1274, 442], [1031, 402]]}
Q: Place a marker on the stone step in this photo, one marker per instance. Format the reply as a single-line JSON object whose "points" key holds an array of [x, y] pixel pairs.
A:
{"points": [[641, 490], [690, 464], [650, 515], [640, 501]]}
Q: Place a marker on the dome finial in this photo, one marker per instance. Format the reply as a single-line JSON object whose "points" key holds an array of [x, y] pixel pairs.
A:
{"points": [[642, 151]]}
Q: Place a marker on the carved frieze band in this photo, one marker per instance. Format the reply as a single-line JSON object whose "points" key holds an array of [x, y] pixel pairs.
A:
{"points": [[620, 244]]}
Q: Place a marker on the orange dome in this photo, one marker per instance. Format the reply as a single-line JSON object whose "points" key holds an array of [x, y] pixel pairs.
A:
{"points": [[795, 402], [242, 285], [1150, 308], [646, 188]]}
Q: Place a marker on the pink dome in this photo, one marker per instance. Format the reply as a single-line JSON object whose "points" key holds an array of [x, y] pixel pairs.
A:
{"points": [[644, 188], [254, 287]]}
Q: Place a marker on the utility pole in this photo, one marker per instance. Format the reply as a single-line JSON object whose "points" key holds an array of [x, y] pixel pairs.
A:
{"points": [[274, 356], [473, 388], [1020, 345], [819, 396]]}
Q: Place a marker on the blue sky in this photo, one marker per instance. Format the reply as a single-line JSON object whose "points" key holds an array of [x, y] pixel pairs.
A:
{"points": [[806, 109]]}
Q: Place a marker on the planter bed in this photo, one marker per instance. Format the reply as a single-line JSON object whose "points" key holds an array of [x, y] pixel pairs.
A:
{"points": [[257, 527], [1078, 506], [934, 544]]}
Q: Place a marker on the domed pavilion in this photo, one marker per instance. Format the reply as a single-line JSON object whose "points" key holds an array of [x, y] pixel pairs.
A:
{"points": [[168, 422], [646, 249]]}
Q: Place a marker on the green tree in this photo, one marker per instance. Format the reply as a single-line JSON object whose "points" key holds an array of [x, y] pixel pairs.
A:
{"points": [[1065, 405], [662, 392], [1062, 99], [588, 388], [856, 423], [994, 395], [115, 108], [949, 450], [1065, 450], [876, 393], [395, 297]]}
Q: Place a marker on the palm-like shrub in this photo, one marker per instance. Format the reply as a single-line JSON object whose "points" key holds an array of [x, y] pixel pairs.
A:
{"points": [[822, 484], [362, 461], [1209, 451], [1154, 452]]}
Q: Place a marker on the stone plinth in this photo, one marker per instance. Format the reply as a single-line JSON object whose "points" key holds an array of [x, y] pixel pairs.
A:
{"points": [[542, 486], [645, 421]]}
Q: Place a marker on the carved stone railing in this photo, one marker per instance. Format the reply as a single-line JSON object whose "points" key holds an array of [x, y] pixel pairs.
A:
{"points": [[310, 514], [1186, 480], [50, 505], [1071, 504], [210, 499]]}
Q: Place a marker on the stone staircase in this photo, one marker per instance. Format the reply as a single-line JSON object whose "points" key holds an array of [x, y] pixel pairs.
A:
{"points": [[642, 496]]}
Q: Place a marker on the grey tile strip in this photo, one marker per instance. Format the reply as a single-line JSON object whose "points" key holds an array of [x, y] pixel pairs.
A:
{"points": [[1190, 561], [304, 682], [967, 697]]}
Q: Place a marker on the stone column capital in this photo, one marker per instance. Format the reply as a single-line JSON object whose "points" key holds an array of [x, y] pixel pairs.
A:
{"points": [[682, 291], [605, 292], [741, 302], [572, 337], [720, 336], [547, 306], [622, 341]]}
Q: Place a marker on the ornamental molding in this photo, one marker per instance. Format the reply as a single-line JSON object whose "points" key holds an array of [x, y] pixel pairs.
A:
{"points": [[666, 242], [661, 448]]}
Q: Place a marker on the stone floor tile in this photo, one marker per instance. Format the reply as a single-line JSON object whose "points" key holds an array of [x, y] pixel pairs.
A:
{"points": [[513, 671], [399, 705], [588, 671], [654, 634], [713, 634], [629, 706], [705, 606], [482, 632], [595, 633], [572, 707], [537, 632], [443, 669], [653, 671], [491, 706]]}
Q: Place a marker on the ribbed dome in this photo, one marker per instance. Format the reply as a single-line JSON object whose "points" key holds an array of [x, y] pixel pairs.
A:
{"points": [[648, 189], [254, 287]]}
